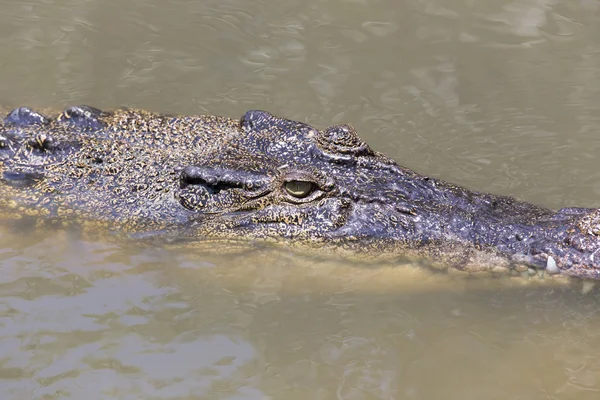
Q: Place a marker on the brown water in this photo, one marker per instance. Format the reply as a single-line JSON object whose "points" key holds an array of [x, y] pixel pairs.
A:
{"points": [[500, 96]]}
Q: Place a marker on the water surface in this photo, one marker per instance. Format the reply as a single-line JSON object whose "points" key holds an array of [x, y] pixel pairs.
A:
{"points": [[499, 96]]}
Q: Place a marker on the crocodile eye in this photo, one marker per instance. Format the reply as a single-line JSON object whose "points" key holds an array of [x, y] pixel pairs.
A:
{"points": [[299, 189]]}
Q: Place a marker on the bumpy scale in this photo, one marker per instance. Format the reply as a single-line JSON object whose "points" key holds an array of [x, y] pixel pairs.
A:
{"points": [[263, 177]]}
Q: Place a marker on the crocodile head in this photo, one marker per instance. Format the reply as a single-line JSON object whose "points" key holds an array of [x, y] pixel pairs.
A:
{"points": [[281, 178], [278, 178], [270, 178]]}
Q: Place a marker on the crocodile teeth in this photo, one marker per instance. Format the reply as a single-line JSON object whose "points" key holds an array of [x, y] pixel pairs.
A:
{"points": [[551, 267]]}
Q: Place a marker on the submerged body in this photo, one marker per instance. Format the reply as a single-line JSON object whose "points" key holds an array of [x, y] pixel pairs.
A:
{"points": [[263, 177]]}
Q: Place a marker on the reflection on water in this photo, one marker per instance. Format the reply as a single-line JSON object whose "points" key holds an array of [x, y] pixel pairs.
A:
{"points": [[80, 318], [499, 96]]}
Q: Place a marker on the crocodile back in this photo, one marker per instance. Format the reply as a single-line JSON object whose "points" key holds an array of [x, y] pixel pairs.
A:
{"points": [[101, 169]]}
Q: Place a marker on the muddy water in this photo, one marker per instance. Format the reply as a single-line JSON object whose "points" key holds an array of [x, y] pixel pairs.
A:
{"points": [[500, 96]]}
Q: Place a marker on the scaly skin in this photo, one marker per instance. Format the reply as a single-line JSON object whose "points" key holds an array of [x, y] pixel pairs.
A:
{"points": [[263, 177]]}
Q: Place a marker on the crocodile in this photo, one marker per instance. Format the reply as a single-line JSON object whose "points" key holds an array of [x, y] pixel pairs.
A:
{"points": [[140, 174]]}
